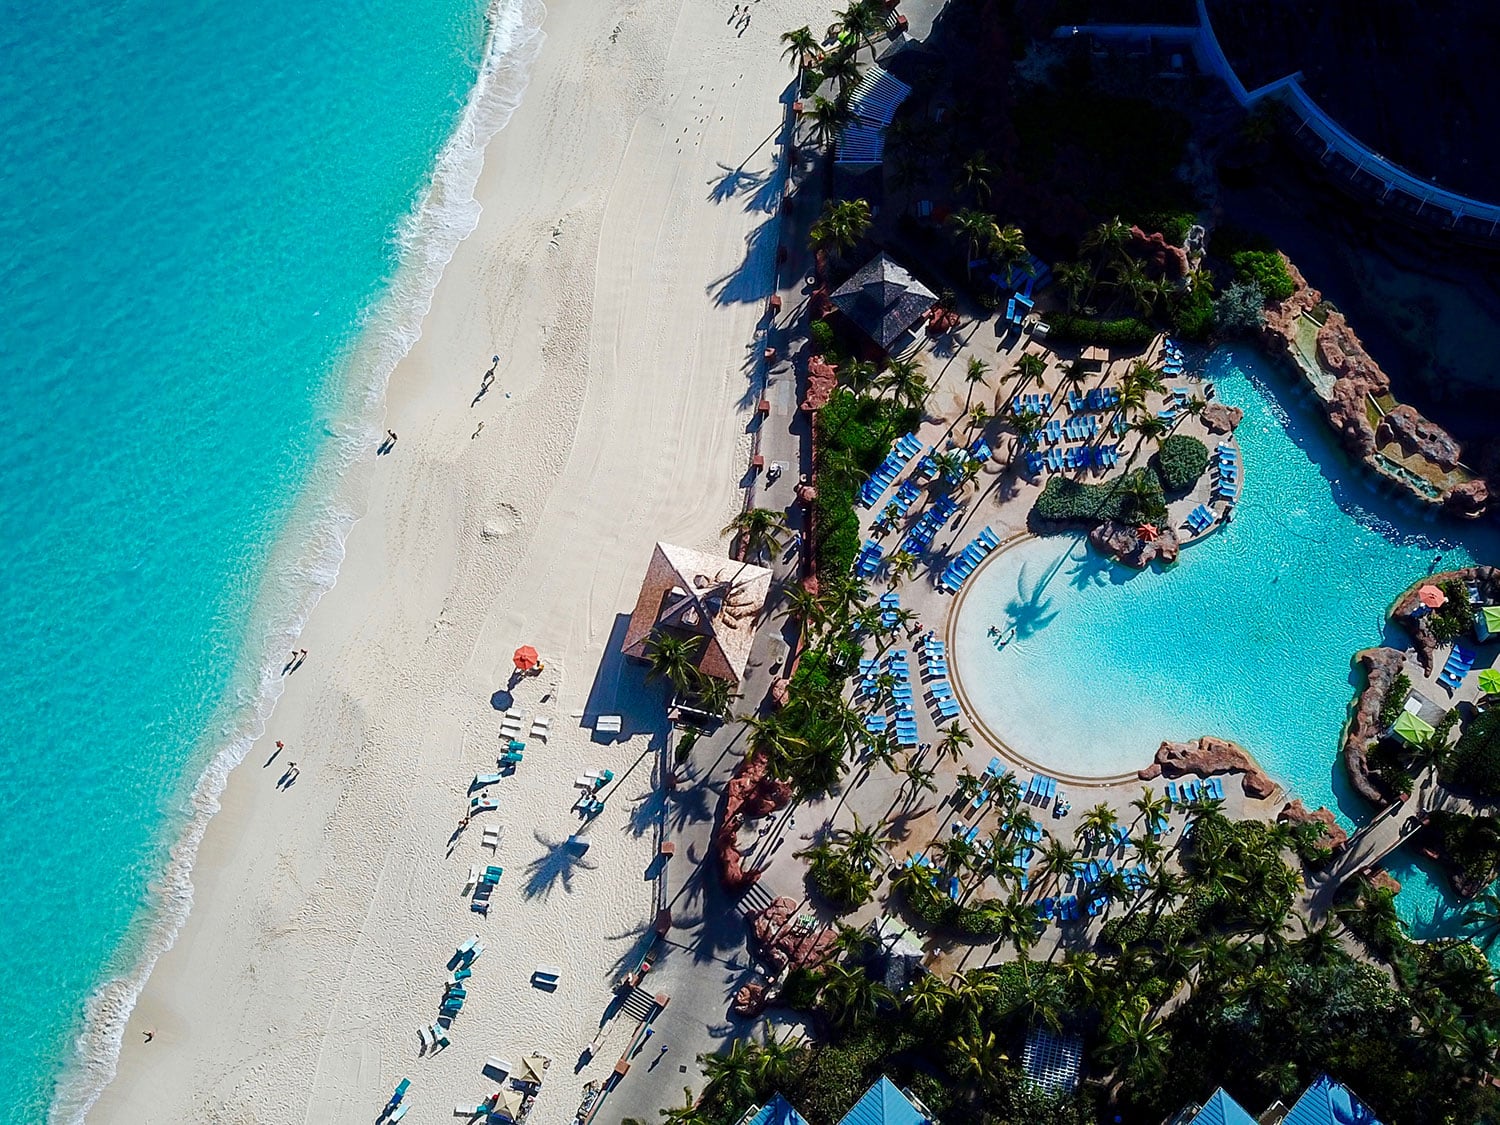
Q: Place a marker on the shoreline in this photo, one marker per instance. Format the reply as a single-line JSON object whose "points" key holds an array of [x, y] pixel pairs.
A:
{"points": [[304, 562], [445, 514]]}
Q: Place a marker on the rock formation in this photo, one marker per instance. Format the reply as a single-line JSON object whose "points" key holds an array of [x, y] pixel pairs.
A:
{"points": [[1208, 756], [750, 1001], [1419, 625], [1381, 666], [1160, 255], [1221, 419], [1334, 837], [822, 378], [1356, 379], [784, 944], [1124, 542], [752, 792]]}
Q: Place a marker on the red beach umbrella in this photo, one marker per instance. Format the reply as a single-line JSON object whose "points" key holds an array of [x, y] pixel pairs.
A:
{"points": [[526, 658], [1431, 597], [1147, 531]]}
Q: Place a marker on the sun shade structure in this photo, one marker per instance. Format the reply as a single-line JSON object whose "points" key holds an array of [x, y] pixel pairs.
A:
{"points": [[884, 1104], [1431, 597], [1413, 728], [883, 300], [777, 1111], [509, 1102], [1487, 622], [1327, 1102], [532, 1069], [526, 658], [1489, 681], [689, 593], [1221, 1109]]}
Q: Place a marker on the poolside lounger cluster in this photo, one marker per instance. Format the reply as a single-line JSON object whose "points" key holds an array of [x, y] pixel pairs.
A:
{"points": [[1039, 790], [1184, 795], [906, 716], [1081, 426], [1017, 307], [919, 538], [1030, 404], [1460, 660], [1171, 358], [1072, 458], [907, 446], [868, 562], [942, 700], [1030, 276], [898, 504], [890, 609], [869, 672], [935, 655], [1227, 471], [1200, 519], [1094, 401], [957, 572], [480, 904]]}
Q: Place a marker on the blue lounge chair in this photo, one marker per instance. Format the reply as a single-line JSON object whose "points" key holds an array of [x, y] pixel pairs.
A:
{"points": [[1172, 797], [401, 1088]]}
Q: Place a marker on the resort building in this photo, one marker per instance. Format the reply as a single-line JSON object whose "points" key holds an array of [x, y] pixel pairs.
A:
{"points": [[884, 1103], [688, 593], [1325, 1102], [883, 301]]}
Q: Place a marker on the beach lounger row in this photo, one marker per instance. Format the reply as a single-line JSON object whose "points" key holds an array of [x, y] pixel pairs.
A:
{"points": [[898, 504], [906, 447], [1039, 790], [869, 673], [1081, 427], [890, 609], [1073, 458], [1094, 401], [1459, 662], [869, 560], [1227, 472], [1172, 358], [1030, 404], [1200, 519], [942, 700], [920, 537], [1017, 308], [957, 572], [1186, 794]]}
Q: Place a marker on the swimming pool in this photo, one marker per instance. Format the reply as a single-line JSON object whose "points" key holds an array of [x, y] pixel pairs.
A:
{"points": [[1248, 637]]}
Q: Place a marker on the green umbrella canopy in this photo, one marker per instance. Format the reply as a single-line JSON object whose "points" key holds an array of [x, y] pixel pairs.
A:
{"points": [[1412, 727], [1489, 680], [1490, 615]]}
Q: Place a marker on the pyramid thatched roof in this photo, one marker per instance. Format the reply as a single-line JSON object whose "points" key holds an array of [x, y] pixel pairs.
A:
{"points": [[690, 593], [883, 299]]}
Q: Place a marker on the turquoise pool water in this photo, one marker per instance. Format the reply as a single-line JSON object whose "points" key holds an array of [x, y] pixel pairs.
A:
{"points": [[1248, 637], [221, 225]]}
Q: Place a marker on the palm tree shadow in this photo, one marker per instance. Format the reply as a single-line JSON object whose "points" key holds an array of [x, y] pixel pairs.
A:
{"points": [[754, 279], [553, 866], [646, 813], [736, 181]]}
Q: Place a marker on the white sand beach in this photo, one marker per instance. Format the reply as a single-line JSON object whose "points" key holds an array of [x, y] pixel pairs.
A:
{"points": [[622, 288]]}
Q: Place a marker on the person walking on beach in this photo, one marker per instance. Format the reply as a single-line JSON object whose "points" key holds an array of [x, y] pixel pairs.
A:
{"points": [[150, 1035], [479, 429], [390, 438]]}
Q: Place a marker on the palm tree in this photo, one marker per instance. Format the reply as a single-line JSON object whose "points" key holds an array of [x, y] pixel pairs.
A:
{"points": [[828, 118], [776, 1059], [1145, 377], [1484, 916], [1074, 278], [1134, 1044], [980, 1057], [805, 605], [975, 175], [1030, 366], [801, 46], [917, 779], [978, 228], [762, 530], [1075, 373], [770, 737], [860, 846], [1057, 861], [674, 658], [1131, 281], [1108, 240], [686, 1114], [841, 67], [848, 995], [967, 787], [1150, 806], [841, 226], [956, 854], [979, 417], [860, 374], [1007, 245], [1150, 428], [715, 696], [903, 378], [729, 1072], [974, 375], [863, 19], [901, 565], [929, 998], [1099, 821], [954, 742]]}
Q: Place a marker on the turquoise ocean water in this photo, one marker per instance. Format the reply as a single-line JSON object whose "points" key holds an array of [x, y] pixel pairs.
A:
{"points": [[1248, 637], [221, 225]]}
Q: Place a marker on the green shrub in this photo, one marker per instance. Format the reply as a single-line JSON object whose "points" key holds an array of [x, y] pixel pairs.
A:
{"points": [[1135, 496], [1179, 462], [840, 885], [983, 921], [1173, 225], [821, 334], [1240, 310], [1394, 700], [1127, 332], [1193, 313], [854, 433], [800, 989], [1266, 269], [1475, 762], [1454, 617], [1472, 843]]}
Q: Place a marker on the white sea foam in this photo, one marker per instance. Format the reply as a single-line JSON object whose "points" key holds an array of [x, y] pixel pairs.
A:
{"points": [[306, 563]]}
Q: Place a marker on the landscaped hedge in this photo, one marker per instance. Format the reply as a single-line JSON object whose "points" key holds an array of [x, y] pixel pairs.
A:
{"points": [[1266, 269], [1475, 762], [1454, 617], [1180, 462], [1127, 332], [1470, 842], [1395, 699], [1193, 315], [1065, 500], [1172, 225], [854, 433]]}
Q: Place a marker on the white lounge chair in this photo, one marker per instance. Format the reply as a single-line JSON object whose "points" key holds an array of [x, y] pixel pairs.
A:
{"points": [[608, 724], [491, 836], [499, 1066], [472, 880], [541, 728]]}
